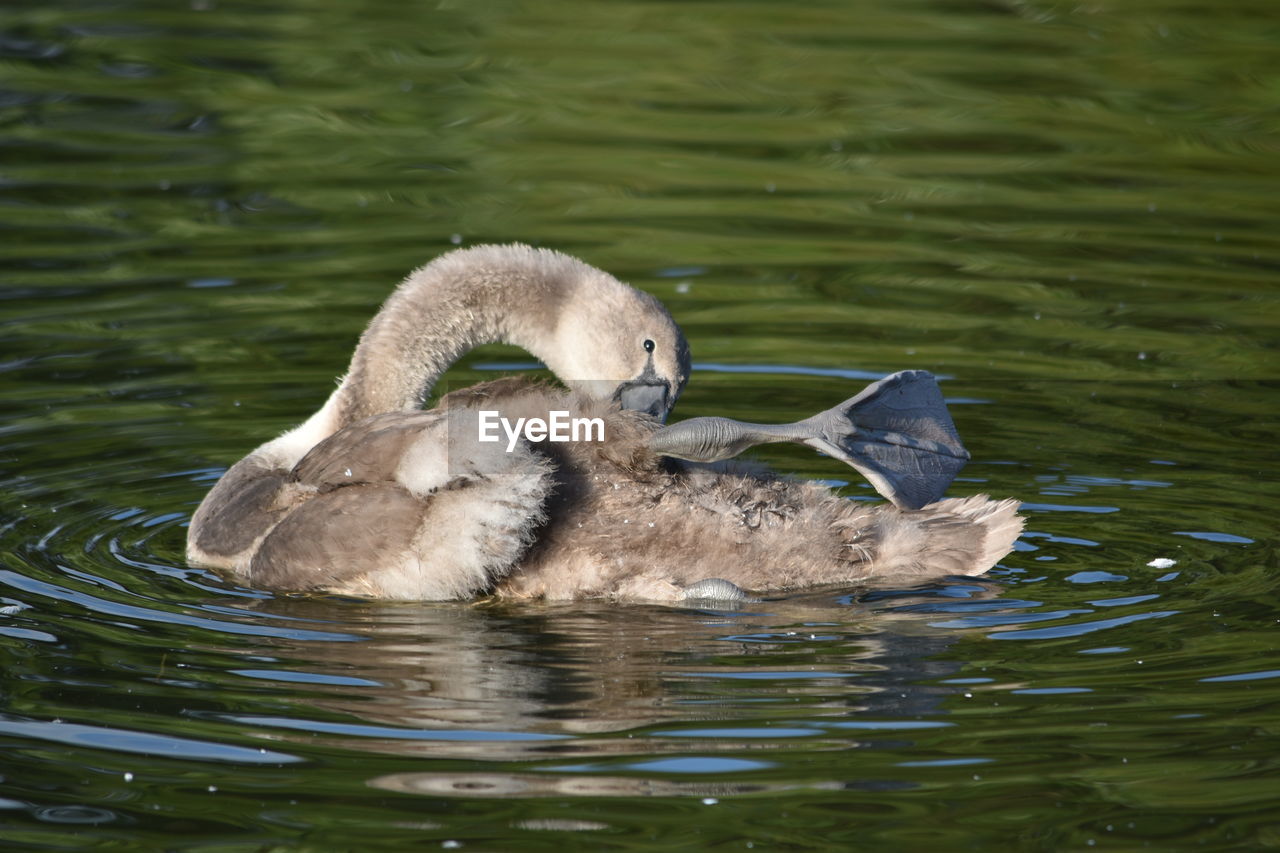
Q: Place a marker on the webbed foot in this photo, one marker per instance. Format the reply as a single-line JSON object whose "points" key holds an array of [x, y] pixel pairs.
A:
{"points": [[715, 589], [897, 433]]}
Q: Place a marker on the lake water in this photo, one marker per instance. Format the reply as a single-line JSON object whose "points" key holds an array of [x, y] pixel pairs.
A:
{"points": [[1071, 212]]}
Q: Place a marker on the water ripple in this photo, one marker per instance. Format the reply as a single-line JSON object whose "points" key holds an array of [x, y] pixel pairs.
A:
{"points": [[139, 743], [1080, 628]]}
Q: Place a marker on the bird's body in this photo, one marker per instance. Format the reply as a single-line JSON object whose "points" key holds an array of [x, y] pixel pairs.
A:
{"points": [[374, 497]]}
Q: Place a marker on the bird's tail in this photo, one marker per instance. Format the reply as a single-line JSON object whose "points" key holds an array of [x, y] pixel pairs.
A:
{"points": [[959, 536]]}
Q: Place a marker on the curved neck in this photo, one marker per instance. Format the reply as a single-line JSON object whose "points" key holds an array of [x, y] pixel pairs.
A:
{"points": [[470, 297]]}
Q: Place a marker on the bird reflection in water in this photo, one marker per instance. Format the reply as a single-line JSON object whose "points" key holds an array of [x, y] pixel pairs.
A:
{"points": [[585, 682]]}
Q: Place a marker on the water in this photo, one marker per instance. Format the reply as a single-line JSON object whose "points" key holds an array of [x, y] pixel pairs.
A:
{"points": [[1069, 211]]}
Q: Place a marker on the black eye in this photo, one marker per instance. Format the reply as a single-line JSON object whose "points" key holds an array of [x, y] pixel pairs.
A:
{"points": [[648, 346]]}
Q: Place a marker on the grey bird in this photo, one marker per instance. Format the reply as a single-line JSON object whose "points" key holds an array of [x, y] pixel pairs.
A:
{"points": [[373, 496]]}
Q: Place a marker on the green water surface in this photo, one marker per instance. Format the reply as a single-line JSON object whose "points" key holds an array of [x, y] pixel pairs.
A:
{"points": [[1068, 211]]}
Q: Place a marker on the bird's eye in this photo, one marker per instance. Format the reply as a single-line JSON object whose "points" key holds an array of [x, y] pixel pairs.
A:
{"points": [[648, 346]]}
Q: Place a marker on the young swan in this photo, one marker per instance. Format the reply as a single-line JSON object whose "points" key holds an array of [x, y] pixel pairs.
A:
{"points": [[373, 497], [605, 340]]}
